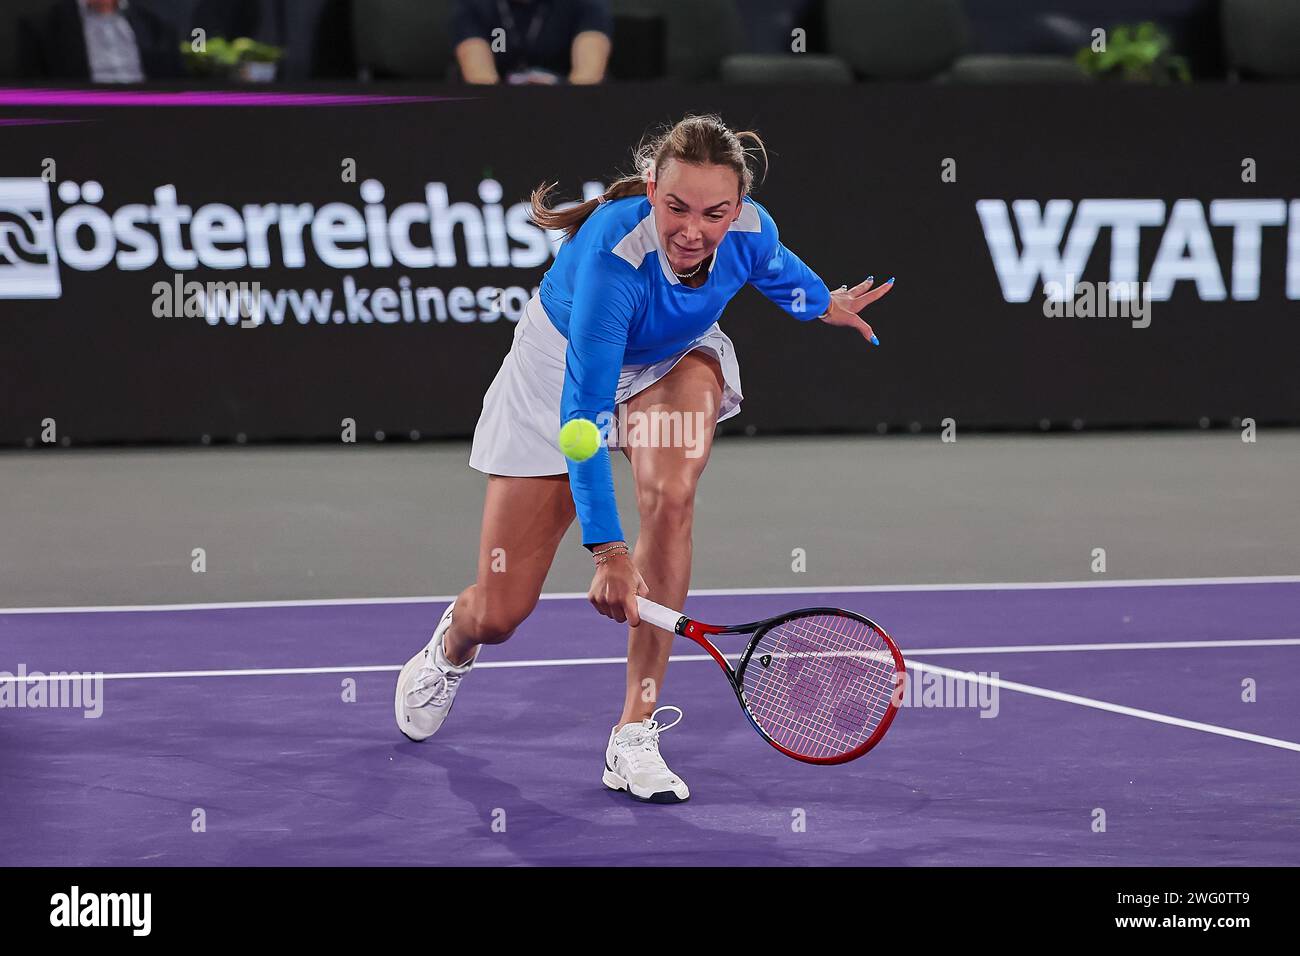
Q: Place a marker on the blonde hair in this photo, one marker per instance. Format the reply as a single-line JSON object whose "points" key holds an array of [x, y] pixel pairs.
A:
{"points": [[698, 140]]}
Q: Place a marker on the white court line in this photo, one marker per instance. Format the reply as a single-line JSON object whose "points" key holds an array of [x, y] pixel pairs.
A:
{"points": [[283, 671], [914, 665], [6, 678], [699, 592], [1110, 708]]}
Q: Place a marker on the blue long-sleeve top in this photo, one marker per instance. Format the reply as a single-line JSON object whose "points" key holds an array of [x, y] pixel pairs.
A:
{"points": [[613, 295]]}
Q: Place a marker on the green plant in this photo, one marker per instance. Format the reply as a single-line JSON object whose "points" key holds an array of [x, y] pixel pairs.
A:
{"points": [[222, 56], [1140, 54]]}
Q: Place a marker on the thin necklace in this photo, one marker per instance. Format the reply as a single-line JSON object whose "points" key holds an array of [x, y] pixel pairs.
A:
{"points": [[692, 274]]}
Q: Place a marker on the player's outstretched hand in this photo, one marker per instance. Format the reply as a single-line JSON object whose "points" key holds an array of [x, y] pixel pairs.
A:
{"points": [[614, 590], [847, 303]]}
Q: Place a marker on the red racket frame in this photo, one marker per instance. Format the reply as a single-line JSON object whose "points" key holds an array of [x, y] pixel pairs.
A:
{"points": [[698, 632]]}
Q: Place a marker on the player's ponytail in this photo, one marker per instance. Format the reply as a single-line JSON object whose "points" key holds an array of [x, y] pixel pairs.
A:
{"points": [[699, 140], [570, 217]]}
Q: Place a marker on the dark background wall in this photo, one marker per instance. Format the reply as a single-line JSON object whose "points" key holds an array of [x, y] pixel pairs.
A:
{"points": [[854, 185]]}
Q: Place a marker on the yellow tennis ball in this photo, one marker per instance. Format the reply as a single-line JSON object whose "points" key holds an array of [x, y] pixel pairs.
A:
{"points": [[579, 439]]}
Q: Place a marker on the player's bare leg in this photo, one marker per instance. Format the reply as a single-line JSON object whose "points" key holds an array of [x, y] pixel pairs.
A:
{"points": [[524, 520], [666, 478]]}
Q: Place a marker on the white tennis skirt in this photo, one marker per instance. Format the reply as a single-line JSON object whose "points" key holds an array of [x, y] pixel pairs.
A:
{"points": [[517, 432]]}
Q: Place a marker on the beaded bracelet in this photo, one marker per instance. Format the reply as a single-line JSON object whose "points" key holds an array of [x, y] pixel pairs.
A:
{"points": [[609, 553]]}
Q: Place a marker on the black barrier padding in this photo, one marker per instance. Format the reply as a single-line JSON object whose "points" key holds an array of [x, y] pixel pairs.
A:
{"points": [[855, 186]]}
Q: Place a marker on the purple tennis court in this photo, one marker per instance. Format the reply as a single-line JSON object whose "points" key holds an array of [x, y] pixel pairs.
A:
{"points": [[1094, 724]]}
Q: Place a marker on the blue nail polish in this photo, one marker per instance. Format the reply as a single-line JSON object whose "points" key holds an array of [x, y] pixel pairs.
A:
{"points": [[869, 278], [891, 279], [875, 341]]}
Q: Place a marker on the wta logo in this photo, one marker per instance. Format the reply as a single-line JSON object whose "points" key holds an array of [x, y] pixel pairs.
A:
{"points": [[432, 232], [1057, 238]]}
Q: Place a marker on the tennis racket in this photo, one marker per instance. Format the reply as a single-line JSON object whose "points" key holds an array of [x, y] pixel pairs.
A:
{"points": [[819, 684]]}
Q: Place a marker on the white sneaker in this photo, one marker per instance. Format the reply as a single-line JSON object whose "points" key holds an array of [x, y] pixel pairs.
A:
{"points": [[427, 685], [632, 762]]}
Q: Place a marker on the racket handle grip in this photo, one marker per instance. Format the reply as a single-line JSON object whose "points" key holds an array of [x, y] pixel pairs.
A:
{"points": [[658, 615]]}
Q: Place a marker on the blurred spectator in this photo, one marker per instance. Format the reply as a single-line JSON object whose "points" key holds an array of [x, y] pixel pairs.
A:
{"points": [[105, 41], [532, 41]]}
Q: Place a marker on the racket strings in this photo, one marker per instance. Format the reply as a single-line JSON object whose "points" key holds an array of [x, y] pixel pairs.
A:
{"points": [[820, 684]]}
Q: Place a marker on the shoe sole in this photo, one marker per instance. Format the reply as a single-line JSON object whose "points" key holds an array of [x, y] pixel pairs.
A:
{"points": [[614, 782]]}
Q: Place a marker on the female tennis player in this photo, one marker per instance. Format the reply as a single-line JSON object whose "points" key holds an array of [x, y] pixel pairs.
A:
{"points": [[626, 316]]}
